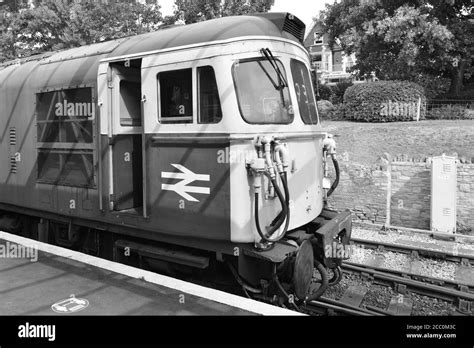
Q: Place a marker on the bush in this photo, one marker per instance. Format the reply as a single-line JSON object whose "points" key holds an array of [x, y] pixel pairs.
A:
{"points": [[325, 109], [335, 94], [337, 91], [337, 113], [324, 92], [384, 101], [450, 112], [328, 111]]}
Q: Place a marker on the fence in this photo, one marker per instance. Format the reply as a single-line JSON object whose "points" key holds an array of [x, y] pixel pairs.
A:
{"points": [[450, 109]]}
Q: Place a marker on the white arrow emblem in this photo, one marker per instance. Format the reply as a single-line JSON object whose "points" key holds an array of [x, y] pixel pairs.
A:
{"points": [[186, 176]]}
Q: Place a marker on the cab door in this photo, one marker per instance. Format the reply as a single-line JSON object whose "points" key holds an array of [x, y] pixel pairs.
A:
{"points": [[125, 100]]}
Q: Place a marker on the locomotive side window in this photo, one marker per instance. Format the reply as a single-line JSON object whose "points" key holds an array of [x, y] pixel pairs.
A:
{"points": [[209, 103], [65, 123], [66, 167], [262, 95], [176, 96], [304, 92], [65, 116]]}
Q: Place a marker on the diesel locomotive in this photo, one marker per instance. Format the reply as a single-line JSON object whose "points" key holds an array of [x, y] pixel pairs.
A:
{"points": [[182, 149]]}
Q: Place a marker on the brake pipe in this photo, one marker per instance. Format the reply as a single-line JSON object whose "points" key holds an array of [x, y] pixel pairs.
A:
{"points": [[266, 141], [282, 157], [280, 153], [324, 282], [329, 146], [336, 181], [267, 237]]}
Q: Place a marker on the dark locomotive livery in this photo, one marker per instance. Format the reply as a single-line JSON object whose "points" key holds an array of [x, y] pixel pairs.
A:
{"points": [[188, 147]]}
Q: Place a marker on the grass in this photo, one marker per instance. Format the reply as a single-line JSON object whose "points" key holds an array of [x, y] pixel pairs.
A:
{"points": [[366, 142]]}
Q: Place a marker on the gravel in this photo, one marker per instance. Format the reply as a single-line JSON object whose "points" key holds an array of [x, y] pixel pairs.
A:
{"points": [[424, 306], [379, 296], [409, 238], [433, 268]]}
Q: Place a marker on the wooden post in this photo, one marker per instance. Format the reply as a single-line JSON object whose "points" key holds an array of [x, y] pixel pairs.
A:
{"points": [[418, 111]]}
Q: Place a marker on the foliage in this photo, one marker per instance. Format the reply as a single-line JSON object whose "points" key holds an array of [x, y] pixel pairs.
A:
{"points": [[338, 113], [334, 94], [383, 101], [450, 112], [325, 109], [322, 91], [401, 39], [201, 10], [55, 25], [434, 85], [338, 91]]}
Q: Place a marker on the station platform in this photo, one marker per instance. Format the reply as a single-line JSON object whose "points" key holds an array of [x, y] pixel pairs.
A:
{"points": [[42, 279]]}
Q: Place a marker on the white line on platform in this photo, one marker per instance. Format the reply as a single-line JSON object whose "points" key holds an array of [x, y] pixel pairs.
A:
{"points": [[176, 284]]}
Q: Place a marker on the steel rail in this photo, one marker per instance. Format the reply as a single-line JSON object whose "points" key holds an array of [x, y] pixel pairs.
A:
{"points": [[349, 306], [414, 285], [407, 249], [416, 277], [337, 308]]}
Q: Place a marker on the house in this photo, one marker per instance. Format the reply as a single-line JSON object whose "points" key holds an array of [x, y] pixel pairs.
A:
{"points": [[331, 64]]}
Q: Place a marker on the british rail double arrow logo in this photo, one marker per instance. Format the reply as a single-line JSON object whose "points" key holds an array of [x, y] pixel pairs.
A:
{"points": [[187, 177]]}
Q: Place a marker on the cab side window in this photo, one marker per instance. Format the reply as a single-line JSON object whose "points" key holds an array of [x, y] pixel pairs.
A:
{"points": [[176, 97], [209, 103]]}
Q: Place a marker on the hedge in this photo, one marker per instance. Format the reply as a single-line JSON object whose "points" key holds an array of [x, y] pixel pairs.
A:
{"points": [[384, 101]]}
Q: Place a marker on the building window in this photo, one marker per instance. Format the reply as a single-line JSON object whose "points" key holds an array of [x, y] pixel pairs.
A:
{"points": [[65, 122], [318, 38], [209, 103], [176, 97]]}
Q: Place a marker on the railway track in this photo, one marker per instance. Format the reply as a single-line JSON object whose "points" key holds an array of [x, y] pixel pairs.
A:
{"points": [[454, 255], [401, 303]]}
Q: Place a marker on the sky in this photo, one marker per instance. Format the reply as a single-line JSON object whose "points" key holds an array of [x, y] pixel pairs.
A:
{"points": [[303, 9]]}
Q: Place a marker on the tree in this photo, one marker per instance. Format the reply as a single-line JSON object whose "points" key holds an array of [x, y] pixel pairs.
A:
{"points": [[8, 49], [408, 40], [200, 10], [56, 25]]}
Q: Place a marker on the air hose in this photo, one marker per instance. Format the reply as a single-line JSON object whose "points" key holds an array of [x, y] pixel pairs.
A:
{"points": [[336, 182], [284, 214], [283, 291], [241, 282], [324, 282]]}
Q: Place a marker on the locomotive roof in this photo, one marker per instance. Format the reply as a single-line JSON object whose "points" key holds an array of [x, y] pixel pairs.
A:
{"points": [[283, 25]]}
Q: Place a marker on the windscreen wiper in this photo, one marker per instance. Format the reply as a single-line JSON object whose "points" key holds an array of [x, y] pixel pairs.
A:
{"points": [[281, 78], [268, 76]]}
